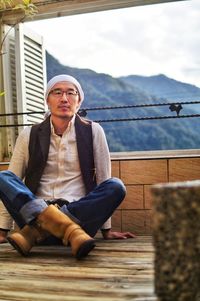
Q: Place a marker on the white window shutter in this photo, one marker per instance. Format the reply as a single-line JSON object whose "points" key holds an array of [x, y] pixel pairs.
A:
{"points": [[31, 70], [24, 67]]}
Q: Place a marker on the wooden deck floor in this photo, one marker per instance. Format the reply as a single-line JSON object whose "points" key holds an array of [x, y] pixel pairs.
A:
{"points": [[114, 270]]}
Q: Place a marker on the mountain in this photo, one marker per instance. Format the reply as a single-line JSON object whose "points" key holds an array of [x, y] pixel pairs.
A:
{"points": [[102, 90], [164, 87]]}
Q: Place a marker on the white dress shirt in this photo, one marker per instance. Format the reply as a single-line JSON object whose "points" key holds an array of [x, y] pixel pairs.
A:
{"points": [[62, 175]]}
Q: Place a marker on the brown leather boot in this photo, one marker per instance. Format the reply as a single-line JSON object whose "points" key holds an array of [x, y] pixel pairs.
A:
{"points": [[60, 225], [24, 239]]}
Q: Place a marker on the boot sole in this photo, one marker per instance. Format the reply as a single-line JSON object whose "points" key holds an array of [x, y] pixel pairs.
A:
{"points": [[17, 247], [85, 249], [82, 252]]}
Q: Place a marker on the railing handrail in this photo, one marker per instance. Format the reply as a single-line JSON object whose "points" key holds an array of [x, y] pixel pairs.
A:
{"points": [[173, 106]]}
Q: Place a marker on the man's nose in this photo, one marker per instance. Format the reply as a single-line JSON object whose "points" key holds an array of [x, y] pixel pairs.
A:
{"points": [[64, 97]]}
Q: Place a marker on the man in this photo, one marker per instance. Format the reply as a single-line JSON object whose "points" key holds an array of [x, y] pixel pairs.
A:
{"points": [[68, 192]]}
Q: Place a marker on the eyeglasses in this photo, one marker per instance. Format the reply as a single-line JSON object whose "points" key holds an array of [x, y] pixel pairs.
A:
{"points": [[58, 93]]}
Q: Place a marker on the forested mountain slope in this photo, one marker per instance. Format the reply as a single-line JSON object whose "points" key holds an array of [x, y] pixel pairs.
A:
{"points": [[103, 90]]}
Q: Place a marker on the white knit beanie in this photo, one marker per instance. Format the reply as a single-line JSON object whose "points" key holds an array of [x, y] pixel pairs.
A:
{"points": [[64, 78]]}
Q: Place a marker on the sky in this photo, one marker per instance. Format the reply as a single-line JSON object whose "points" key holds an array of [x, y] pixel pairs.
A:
{"points": [[144, 40]]}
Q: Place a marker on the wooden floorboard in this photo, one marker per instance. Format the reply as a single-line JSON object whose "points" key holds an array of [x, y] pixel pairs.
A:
{"points": [[114, 270]]}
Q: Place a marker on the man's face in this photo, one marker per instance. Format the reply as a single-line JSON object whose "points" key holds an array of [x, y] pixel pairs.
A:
{"points": [[63, 100]]}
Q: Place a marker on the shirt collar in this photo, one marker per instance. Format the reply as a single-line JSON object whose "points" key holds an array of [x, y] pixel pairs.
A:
{"points": [[71, 124]]}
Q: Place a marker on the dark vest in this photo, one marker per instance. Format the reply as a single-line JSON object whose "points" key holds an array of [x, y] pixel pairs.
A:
{"points": [[39, 149]]}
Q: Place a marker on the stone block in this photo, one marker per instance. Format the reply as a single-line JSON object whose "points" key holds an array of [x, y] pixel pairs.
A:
{"points": [[176, 238]]}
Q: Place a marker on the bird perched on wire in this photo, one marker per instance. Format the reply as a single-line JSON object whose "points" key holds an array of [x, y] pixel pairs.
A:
{"points": [[176, 107]]}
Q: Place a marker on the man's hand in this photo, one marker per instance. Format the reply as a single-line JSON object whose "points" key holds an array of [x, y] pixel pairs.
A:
{"points": [[109, 234], [3, 235]]}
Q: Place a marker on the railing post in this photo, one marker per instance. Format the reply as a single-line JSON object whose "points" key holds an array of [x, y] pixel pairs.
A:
{"points": [[176, 238]]}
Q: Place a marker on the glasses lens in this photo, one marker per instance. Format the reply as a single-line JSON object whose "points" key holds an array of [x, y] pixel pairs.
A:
{"points": [[69, 93], [56, 92]]}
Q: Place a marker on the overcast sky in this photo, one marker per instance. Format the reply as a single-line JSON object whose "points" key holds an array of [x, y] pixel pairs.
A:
{"points": [[145, 40]]}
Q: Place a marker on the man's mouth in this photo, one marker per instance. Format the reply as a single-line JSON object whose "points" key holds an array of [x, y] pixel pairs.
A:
{"points": [[64, 107]]}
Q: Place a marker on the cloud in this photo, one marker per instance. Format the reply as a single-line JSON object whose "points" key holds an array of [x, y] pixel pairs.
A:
{"points": [[145, 40]]}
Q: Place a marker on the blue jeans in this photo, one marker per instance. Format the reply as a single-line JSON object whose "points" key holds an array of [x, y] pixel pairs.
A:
{"points": [[90, 211]]}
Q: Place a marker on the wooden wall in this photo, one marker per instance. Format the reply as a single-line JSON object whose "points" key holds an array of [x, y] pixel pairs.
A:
{"points": [[135, 213]]}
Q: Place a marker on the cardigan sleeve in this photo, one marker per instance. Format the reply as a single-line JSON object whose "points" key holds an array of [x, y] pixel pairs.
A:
{"points": [[19, 160], [17, 165], [102, 159]]}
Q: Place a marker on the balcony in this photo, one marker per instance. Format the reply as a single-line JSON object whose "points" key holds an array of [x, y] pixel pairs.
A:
{"points": [[114, 270]]}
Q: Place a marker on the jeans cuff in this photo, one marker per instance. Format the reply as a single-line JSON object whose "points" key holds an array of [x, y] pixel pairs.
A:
{"points": [[32, 209]]}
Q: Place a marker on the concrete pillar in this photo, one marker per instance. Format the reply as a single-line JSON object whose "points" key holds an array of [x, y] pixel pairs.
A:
{"points": [[176, 238]]}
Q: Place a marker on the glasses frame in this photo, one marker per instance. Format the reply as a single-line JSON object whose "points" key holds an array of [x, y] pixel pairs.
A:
{"points": [[70, 93]]}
